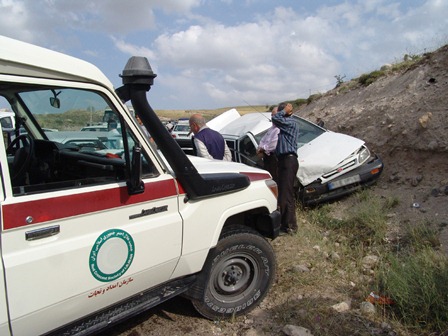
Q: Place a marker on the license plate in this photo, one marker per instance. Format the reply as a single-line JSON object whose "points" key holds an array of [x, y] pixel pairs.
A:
{"points": [[344, 182]]}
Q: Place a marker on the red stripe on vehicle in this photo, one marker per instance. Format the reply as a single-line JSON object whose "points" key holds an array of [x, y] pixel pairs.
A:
{"points": [[181, 189], [14, 215]]}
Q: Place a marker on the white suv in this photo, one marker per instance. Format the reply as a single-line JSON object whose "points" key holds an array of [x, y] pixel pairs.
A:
{"points": [[92, 236]]}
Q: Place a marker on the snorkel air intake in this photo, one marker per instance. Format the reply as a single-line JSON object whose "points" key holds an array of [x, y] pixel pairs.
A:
{"points": [[138, 78]]}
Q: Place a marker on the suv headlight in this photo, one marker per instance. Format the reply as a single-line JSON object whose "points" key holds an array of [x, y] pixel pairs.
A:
{"points": [[363, 155]]}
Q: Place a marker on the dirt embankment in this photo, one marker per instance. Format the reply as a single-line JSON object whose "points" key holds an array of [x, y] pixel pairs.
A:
{"points": [[403, 117]]}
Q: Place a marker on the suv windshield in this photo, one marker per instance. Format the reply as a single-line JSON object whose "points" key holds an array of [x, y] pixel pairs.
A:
{"points": [[40, 160]]}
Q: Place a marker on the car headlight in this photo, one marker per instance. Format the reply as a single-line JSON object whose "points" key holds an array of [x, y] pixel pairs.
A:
{"points": [[363, 155]]}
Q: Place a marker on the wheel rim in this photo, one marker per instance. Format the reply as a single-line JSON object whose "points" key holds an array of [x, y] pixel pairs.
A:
{"points": [[234, 277]]}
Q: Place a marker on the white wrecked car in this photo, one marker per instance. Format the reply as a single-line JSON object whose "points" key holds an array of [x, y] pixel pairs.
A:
{"points": [[330, 164]]}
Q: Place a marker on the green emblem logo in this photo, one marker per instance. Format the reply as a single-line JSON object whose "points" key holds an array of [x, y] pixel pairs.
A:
{"points": [[111, 255]]}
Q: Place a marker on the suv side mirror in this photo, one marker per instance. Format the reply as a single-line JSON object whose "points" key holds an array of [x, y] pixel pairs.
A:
{"points": [[135, 183]]}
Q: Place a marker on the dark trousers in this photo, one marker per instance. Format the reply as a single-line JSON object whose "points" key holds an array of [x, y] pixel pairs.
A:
{"points": [[270, 164], [287, 170]]}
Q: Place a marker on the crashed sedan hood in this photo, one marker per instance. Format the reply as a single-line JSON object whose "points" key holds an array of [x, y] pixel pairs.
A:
{"points": [[233, 124], [225, 118], [323, 154]]}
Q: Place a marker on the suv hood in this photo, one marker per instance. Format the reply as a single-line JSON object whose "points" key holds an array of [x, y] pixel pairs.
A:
{"points": [[208, 166], [205, 166]]}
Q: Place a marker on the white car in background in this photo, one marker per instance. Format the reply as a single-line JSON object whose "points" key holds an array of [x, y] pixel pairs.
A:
{"points": [[95, 128], [182, 134], [88, 141], [330, 164]]}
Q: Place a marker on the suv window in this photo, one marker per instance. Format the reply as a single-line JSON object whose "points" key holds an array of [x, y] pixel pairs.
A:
{"points": [[41, 161]]}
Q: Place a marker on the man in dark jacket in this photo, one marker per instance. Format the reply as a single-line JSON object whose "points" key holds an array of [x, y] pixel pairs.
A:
{"points": [[208, 143]]}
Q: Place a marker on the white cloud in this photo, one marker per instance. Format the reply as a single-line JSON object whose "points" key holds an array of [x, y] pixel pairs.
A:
{"points": [[133, 50], [29, 19], [286, 55], [261, 61], [15, 17], [264, 56]]}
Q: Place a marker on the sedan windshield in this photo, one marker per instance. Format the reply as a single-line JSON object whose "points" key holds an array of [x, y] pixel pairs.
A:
{"points": [[307, 131]]}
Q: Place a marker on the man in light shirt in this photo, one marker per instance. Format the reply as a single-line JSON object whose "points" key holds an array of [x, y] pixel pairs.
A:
{"points": [[266, 148]]}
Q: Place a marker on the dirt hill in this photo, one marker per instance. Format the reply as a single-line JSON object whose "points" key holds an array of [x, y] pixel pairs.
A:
{"points": [[403, 117]]}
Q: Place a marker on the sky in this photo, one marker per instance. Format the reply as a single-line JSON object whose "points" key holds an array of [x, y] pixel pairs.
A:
{"points": [[209, 54]]}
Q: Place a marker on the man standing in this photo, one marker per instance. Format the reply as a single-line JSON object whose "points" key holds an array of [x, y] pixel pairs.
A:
{"points": [[267, 146], [208, 143], [288, 165]]}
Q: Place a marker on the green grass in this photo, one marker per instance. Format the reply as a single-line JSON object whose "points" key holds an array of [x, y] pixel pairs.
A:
{"points": [[418, 283], [364, 223], [415, 275]]}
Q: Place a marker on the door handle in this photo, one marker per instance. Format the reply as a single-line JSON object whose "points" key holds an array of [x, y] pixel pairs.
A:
{"points": [[42, 233]]}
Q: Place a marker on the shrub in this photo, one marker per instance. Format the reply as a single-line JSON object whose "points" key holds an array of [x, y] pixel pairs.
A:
{"points": [[339, 80], [367, 79], [313, 97], [299, 102], [418, 284]]}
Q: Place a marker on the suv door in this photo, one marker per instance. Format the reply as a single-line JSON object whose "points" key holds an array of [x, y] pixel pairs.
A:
{"points": [[73, 239]]}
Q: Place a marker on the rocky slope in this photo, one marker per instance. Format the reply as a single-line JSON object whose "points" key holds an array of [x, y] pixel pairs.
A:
{"points": [[403, 117]]}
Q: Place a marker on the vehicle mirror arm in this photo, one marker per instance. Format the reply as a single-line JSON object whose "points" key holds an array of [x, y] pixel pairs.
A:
{"points": [[135, 183]]}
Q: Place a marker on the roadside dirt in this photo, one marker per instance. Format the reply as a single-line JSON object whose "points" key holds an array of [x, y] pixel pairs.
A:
{"points": [[403, 117]]}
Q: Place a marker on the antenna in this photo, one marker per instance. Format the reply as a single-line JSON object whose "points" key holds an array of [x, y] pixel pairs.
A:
{"points": [[255, 109]]}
